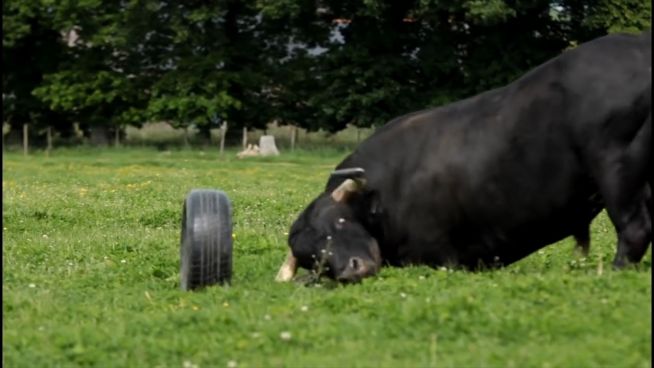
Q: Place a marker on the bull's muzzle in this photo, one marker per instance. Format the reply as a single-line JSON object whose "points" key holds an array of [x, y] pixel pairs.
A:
{"points": [[356, 269]]}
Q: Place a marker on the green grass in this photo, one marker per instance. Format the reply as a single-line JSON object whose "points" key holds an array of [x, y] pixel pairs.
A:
{"points": [[91, 269]]}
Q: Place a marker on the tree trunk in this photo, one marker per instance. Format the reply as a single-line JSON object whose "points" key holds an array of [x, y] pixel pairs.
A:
{"points": [[49, 139], [100, 135], [245, 137], [223, 132], [204, 135], [358, 135], [293, 137], [25, 139]]}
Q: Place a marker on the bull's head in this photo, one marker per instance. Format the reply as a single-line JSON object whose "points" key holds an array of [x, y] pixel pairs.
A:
{"points": [[329, 236]]}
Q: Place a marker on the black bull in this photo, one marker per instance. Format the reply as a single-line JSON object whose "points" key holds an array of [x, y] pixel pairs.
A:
{"points": [[490, 179]]}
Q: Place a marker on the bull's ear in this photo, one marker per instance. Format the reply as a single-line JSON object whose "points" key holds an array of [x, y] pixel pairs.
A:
{"points": [[354, 183]]}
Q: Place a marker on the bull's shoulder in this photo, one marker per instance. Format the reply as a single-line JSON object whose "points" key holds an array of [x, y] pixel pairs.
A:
{"points": [[623, 48]]}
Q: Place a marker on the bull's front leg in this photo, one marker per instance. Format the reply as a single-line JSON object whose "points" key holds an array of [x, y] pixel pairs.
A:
{"points": [[582, 239]]}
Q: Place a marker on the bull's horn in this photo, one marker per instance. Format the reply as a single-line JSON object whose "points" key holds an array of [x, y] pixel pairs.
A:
{"points": [[288, 269], [346, 188], [349, 173]]}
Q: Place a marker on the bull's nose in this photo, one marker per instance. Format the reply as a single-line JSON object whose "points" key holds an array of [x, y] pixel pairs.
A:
{"points": [[356, 269]]}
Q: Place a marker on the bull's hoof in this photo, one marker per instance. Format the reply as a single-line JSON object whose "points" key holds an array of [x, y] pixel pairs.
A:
{"points": [[622, 263]]}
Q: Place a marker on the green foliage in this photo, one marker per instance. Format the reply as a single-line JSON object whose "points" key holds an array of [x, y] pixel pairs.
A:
{"points": [[31, 49], [319, 65], [91, 278], [16, 16], [631, 16], [105, 97], [71, 90], [191, 108], [493, 11]]}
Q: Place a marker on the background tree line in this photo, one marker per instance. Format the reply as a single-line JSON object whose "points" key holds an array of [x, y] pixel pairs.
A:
{"points": [[316, 64]]}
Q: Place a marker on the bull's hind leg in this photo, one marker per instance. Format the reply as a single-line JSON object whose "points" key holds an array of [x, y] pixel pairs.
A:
{"points": [[623, 183], [634, 237], [628, 212]]}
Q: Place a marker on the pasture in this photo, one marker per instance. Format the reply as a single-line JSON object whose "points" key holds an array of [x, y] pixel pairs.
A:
{"points": [[91, 278]]}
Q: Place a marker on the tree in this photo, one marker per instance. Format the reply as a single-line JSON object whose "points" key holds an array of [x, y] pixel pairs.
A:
{"points": [[101, 81], [592, 18], [317, 64], [32, 48], [368, 73], [401, 56], [382, 59], [212, 67]]}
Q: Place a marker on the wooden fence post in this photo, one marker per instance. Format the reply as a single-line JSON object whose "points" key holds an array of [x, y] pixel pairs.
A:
{"points": [[293, 137], [117, 136], [49, 139], [25, 139], [223, 132], [186, 140], [245, 137]]}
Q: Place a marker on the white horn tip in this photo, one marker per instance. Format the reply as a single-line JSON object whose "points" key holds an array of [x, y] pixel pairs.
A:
{"points": [[285, 274], [288, 269]]}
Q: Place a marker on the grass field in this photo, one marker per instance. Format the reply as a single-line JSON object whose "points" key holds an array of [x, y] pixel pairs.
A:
{"points": [[91, 278]]}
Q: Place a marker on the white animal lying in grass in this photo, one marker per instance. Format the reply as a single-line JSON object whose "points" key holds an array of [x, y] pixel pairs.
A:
{"points": [[249, 151]]}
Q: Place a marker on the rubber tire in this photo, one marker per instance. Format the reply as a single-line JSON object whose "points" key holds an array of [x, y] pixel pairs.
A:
{"points": [[206, 245]]}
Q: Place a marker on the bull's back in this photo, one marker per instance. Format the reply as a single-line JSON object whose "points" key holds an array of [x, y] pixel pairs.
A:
{"points": [[495, 176]]}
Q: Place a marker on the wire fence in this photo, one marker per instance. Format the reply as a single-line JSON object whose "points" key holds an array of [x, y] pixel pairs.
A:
{"points": [[163, 136]]}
